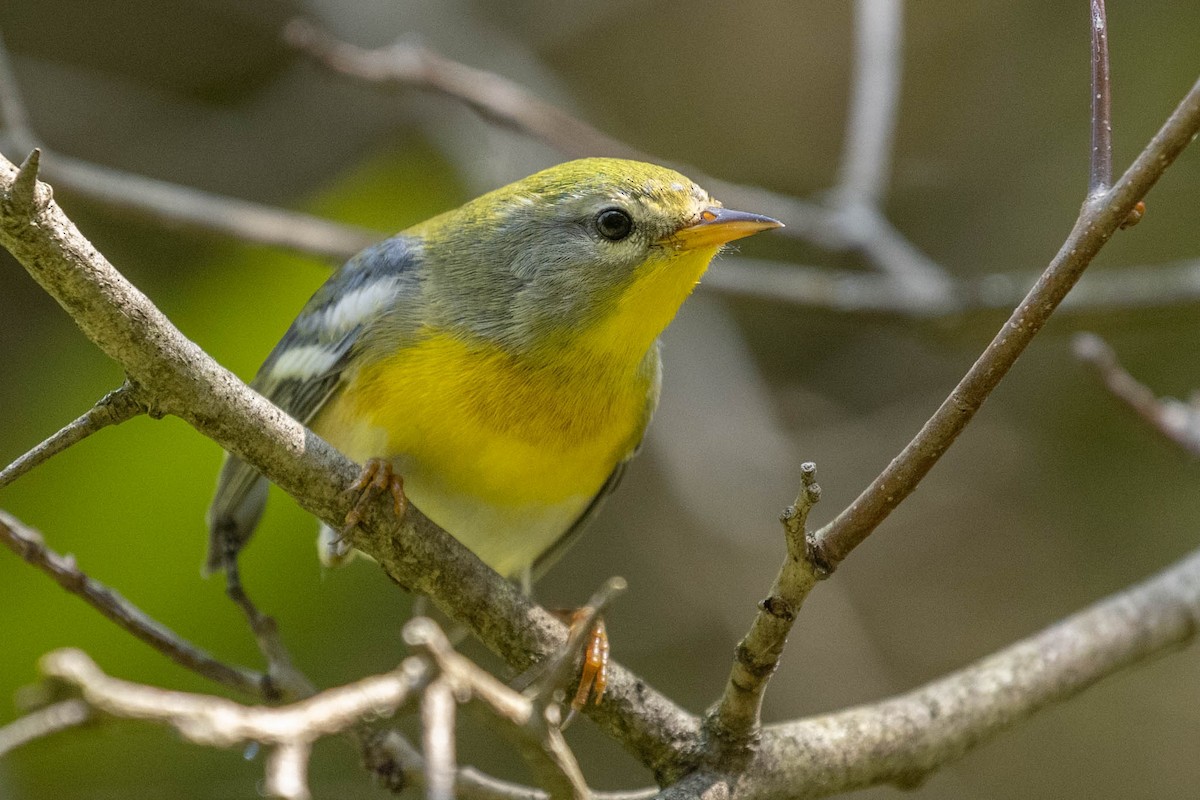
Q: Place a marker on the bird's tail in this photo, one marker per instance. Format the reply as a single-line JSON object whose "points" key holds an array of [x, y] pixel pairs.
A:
{"points": [[235, 511]]}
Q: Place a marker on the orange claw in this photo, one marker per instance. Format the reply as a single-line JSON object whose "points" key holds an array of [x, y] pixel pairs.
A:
{"points": [[593, 674], [376, 476]]}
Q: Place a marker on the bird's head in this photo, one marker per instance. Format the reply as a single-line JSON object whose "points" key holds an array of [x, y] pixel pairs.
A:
{"points": [[599, 251]]}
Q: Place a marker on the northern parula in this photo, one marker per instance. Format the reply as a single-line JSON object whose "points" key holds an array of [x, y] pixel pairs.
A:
{"points": [[502, 357]]}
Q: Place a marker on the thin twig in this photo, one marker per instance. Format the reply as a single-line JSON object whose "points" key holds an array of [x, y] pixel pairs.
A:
{"points": [[493, 97], [42, 723], [400, 764], [287, 770], [1101, 174], [171, 204], [891, 252], [286, 679], [1179, 422], [735, 720], [1098, 220], [29, 545], [119, 405], [536, 728], [1143, 286]]}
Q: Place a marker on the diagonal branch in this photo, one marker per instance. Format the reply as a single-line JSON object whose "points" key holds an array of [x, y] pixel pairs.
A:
{"points": [[120, 405], [1100, 218], [28, 544], [1177, 421], [182, 380], [42, 723], [493, 97]]}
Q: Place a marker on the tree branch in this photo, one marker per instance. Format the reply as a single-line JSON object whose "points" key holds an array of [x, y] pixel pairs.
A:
{"points": [[29, 545], [1101, 174], [43, 722], [172, 204], [120, 405], [844, 291], [1100, 218], [904, 739], [536, 729], [216, 722], [737, 716], [1178, 422], [494, 97], [871, 123], [182, 380]]}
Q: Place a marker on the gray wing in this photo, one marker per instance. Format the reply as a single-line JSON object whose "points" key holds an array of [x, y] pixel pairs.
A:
{"points": [[306, 368]]}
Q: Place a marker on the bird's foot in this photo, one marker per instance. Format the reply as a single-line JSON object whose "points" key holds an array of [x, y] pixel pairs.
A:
{"points": [[377, 476], [593, 671]]}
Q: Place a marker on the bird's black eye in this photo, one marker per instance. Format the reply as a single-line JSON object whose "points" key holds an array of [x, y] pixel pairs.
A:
{"points": [[614, 224]]}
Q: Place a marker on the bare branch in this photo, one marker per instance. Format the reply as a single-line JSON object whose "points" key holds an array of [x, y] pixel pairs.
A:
{"points": [[285, 677], [493, 97], [1101, 174], [29, 545], [737, 717], [287, 771], [42, 723], [1099, 219], [903, 739], [438, 709], [889, 251], [173, 205], [1149, 286], [170, 203], [470, 784], [536, 728], [119, 405], [216, 722], [1178, 422]]}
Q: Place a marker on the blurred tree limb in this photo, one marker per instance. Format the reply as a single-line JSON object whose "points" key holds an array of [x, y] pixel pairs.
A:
{"points": [[907, 282], [1177, 421]]}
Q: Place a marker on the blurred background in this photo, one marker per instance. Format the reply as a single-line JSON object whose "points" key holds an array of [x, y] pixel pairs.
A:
{"points": [[1053, 498]]}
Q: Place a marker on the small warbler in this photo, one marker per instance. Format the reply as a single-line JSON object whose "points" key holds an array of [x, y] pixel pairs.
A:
{"points": [[502, 357]]}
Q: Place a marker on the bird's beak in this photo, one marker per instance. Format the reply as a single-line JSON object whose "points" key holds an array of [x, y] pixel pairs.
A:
{"points": [[717, 226]]}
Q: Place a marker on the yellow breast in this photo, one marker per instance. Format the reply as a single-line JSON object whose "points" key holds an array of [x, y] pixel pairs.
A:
{"points": [[488, 440]]}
